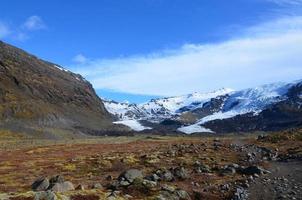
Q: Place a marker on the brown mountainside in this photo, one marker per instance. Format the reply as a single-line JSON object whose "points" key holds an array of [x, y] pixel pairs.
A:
{"points": [[35, 95]]}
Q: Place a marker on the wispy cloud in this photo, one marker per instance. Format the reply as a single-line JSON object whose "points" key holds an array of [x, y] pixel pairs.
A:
{"points": [[286, 2], [264, 53], [4, 30], [33, 23], [21, 32], [80, 58]]}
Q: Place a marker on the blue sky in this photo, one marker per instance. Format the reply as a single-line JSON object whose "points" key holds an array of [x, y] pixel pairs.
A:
{"points": [[140, 49]]}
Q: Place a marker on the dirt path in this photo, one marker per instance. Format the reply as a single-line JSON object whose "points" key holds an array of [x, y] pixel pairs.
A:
{"points": [[284, 182]]}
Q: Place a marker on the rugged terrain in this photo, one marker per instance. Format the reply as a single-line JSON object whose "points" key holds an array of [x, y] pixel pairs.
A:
{"points": [[270, 107], [37, 96], [145, 167]]}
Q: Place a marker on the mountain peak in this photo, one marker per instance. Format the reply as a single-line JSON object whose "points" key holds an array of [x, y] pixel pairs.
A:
{"points": [[197, 109]]}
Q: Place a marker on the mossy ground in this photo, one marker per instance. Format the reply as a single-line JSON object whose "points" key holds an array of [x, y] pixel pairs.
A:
{"points": [[92, 160]]}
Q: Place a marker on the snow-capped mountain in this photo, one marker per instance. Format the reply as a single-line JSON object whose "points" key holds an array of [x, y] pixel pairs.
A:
{"points": [[162, 108], [202, 112]]}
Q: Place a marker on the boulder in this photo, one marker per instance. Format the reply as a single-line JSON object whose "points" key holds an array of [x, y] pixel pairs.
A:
{"points": [[183, 195], [62, 187], [97, 186], [240, 194], [149, 184], [56, 179], [41, 184], [45, 195], [251, 170], [131, 174], [169, 193], [168, 188], [80, 187], [180, 173], [201, 168], [153, 177], [167, 176]]}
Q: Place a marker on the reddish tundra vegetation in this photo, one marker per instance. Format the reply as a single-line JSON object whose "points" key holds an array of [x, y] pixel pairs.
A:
{"points": [[144, 167]]}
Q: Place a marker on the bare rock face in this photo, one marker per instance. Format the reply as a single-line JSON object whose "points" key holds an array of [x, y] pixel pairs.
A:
{"points": [[36, 94]]}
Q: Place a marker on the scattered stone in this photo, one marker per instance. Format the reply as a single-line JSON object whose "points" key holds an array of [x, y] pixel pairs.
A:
{"points": [[182, 194], [153, 177], [201, 168], [41, 184], [56, 179], [80, 187], [130, 175], [251, 170], [149, 184], [109, 178], [240, 194], [97, 186], [45, 195], [62, 187], [180, 173], [229, 169], [168, 188], [164, 175]]}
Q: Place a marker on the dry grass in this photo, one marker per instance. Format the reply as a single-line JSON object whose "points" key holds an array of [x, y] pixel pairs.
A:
{"points": [[90, 161]]}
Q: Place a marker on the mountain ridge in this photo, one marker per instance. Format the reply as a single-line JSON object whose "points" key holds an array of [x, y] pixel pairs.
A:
{"points": [[207, 111], [38, 96]]}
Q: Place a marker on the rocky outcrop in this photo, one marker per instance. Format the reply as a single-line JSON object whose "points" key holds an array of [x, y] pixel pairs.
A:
{"points": [[36, 94]]}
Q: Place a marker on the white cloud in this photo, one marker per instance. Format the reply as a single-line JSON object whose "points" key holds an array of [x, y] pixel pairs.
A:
{"points": [[21, 32], [80, 58], [265, 53], [4, 30], [286, 2], [34, 23]]}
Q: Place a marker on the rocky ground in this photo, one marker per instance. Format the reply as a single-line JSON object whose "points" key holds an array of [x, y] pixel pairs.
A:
{"points": [[162, 168]]}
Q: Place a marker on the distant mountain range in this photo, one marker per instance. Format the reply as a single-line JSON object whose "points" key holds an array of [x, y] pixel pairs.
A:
{"points": [[265, 108], [43, 99]]}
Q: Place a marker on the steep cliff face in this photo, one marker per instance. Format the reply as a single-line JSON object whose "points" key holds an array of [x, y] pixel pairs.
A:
{"points": [[36, 93]]}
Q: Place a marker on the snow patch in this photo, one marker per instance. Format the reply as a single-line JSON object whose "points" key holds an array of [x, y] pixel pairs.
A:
{"points": [[133, 124], [195, 128], [60, 68]]}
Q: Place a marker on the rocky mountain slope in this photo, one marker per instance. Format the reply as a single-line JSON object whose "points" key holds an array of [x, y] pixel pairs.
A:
{"points": [[36, 95], [268, 107]]}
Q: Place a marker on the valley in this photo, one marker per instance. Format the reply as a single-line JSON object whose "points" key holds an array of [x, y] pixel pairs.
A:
{"points": [[163, 167]]}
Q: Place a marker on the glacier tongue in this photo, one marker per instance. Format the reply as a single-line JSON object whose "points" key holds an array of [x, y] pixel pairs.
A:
{"points": [[196, 109], [195, 128], [133, 124]]}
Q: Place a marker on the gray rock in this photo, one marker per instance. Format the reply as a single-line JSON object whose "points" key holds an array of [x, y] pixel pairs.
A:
{"points": [[149, 184], [131, 174], [62, 187], [45, 195], [240, 194], [164, 175], [97, 186], [182, 194], [80, 187], [180, 173], [201, 168], [41, 184], [228, 169], [124, 183], [168, 188], [167, 176], [252, 170], [165, 195], [56, 179], [153, 177]]}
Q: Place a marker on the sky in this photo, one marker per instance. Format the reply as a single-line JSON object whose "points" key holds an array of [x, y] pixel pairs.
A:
{"points": [[136, 50]]}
